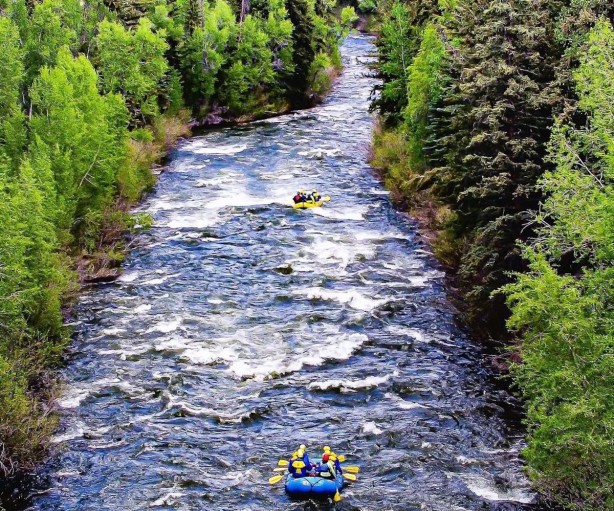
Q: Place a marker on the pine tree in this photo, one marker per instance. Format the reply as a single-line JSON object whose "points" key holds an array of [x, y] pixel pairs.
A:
{"points": [[491, 140], [304, 53]]}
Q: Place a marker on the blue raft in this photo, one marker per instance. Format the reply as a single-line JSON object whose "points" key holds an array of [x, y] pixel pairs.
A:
{"points": [[302, 486]]}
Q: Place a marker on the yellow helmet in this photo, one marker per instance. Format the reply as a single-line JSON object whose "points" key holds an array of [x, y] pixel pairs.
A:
{"points": [[326, 448], [302, 447]]}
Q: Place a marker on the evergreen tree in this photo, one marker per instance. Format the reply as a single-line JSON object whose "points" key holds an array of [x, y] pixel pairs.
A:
{"points": [[12, 129], [304, 53], [491, 140]]}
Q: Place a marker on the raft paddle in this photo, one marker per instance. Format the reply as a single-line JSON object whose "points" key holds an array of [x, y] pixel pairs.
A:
{"points": [[283, 463], [349, 477], [280, 469], [351, 469], [275, 479], [337, 496]]}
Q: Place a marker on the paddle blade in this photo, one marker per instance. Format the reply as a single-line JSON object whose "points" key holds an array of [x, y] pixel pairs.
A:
{"points": [[337, 497], [349, 477], [283, 463], [275, 479], [351, 469], [280, 469], [341, 458]]}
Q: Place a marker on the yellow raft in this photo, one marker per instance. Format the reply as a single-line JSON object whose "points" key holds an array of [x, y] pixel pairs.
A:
{"points": [[311, 204]]}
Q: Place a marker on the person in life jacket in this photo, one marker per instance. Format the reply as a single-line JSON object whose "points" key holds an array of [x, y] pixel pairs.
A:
{"points": [[315, 196], [333, 457], [300, 197], [300, 455], [327, 468]]}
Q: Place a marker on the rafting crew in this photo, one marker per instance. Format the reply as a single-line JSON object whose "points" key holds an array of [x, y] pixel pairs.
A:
{"points": [[301, 466], [302, 196]]}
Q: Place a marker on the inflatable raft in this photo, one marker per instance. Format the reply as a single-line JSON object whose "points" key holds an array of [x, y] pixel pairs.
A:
{"points": [[308, 204], [313, 486]]}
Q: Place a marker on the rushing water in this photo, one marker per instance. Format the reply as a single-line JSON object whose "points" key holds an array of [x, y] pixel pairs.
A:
{"points": [[241, 328]]}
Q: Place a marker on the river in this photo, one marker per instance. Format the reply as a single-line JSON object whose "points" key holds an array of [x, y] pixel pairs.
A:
{"points": [[241, 328]]}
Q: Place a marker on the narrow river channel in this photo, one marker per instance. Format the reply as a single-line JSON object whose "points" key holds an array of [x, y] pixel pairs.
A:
{"points": [[241, 328]]}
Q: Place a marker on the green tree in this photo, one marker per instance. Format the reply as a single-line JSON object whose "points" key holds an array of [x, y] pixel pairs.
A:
{"points": [[132, 63], [566, 320], [12, 128], [68, 111], [489, 138]]}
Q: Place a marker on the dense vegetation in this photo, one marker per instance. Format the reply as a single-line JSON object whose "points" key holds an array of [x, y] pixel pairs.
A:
{"points": [[91, 93], [498, 129]]}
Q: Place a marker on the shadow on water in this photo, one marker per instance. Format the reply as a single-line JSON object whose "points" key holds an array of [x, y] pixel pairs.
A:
{"points": [[241, 328]]}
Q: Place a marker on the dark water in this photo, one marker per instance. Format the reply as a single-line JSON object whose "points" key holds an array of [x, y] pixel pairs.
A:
{"points": [[206, 362]]}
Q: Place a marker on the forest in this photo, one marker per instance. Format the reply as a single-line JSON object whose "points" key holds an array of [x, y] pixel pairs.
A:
{"points": [[497, 132], [92, 93]]}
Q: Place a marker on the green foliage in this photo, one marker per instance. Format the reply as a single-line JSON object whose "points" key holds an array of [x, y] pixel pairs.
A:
{"points": [[567, 321], [132, 62], [480, 158], [367, 6], [424, 90], [68, 110], [12, 129], [398, 42]]}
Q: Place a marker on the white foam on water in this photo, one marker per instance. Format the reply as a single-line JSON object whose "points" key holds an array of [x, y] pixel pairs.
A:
{"points": [[128, 277], [356, 213], [210, 355], [241, 199], [379, 236], [77, 394], [334, 252], [198, 147], [370, 428], [142, 308], [400, 330], [198, 219], [320, 153], [173, 344], [73, 398], [487, 489], [235, 417], [165, 326], [256, 354], [351, 385], [76, 432], [167, 500], [114, 330], [159, 280], [354, 299], [222, 179], [401, 403]]}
